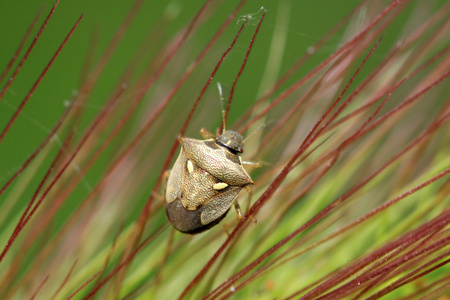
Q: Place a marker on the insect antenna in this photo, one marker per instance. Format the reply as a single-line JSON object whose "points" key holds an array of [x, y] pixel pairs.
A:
{"points": [[260, 127], [223, 104]]}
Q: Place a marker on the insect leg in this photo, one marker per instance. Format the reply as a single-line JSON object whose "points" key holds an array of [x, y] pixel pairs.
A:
{"points": [[252, 164], [249, 200], [206, 134], [165, 177], [238, 210]]}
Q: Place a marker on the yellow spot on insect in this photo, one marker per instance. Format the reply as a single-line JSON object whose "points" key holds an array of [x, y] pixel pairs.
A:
{"points": [[220, 186], [190, 166]]}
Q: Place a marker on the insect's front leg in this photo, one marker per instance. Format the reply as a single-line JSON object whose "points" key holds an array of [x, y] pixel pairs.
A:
{"points": [[238, 207], [206, 134], [238, 210], [253, 164], [249, 200], [165, 178]]}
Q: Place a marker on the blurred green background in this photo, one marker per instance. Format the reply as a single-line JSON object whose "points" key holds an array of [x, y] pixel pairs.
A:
{"points": [[289, 29]]}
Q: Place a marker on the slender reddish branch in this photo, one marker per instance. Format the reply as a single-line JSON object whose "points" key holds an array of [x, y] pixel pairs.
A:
{"points": [[339, 232], [126, 261], [429, 130], [38, 81], [111, 251], [27, 53], [340, 51], [275, 184], [266, 196], [222, 127], [25, 218], [287, 75], [38, 149], [350, 286], [147, 126], [26, 214], [84, 284], [65, 279], [409, 278], [174, 147], [17, 52], [39, 287]]}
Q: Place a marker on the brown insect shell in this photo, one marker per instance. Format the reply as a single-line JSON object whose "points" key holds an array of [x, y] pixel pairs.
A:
{"points": [[192, 203], [216, 160]]}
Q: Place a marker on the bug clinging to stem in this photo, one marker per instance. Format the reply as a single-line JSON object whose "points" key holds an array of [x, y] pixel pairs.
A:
{"points": [[206, 180]]}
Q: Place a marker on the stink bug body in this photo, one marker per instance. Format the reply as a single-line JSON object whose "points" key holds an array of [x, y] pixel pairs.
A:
{"points": [[205, 181]]}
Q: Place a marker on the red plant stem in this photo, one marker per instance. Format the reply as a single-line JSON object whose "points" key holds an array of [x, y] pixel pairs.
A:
{"points": [[126, 261], [398, 108], [152, 118], [147, 86], [143, 91], [333, 117], [144, 215], [17, 52], [39, 287], [111, 48], [77, 149], [407, 102], [38, 81], [341, 50], [50, 212], [369, 104], [409, 238], [409, 278], [84, 284], [229, 19], [222, 127], [344, 229], [25, 218], [163, 104], [93, 75], [38, 149], [65, 280], [387, 276], [111, 251], [267, 266], [25, 215], [27, 53], [441, 288], [329, 208], [268, 193], [246, 116], [399, 265], [443, 220], [372, 116], [431, 129]]}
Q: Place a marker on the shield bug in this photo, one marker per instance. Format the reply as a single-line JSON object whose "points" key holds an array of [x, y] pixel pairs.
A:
{"points": [[205, 181]]}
